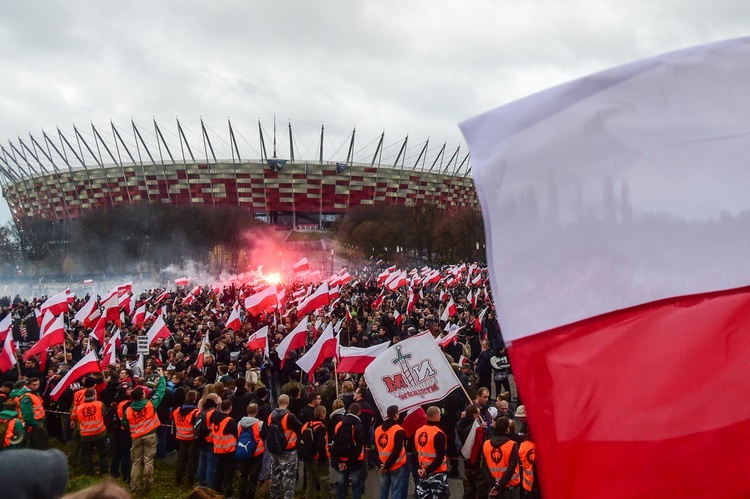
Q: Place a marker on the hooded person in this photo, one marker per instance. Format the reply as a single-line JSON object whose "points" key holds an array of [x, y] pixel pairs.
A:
{"points": [[187, 448], [501, 461], [22, 469], [12, 431]]}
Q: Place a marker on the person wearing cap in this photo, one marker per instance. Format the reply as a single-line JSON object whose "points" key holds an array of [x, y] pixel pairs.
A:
{"points": [[143, 423], [520, 417]]}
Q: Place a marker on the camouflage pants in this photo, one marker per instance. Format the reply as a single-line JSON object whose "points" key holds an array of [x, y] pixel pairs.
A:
{"points": [[283, 474], [434, 486]]}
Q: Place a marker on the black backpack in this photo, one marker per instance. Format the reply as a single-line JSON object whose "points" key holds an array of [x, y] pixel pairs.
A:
{"points": [[343, 444], [275, 439], [200, 426], [112, 420], [306, 447]]}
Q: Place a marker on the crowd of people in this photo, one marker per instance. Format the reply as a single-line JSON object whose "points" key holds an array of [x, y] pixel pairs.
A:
{"points": [[239, 418]]}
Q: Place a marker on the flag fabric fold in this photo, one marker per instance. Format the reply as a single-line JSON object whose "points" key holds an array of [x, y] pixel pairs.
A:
{"points": [[629, 258], [158, 330], [356, 359], [323, 348], [87, 365]]}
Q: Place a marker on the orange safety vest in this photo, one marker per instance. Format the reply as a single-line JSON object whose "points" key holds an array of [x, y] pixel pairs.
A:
{"points": [[209, 438], [424, 443], [385, 442], [260, 445], [344, 459], [527, 456], [184, 424], [91, 417], [78, 397], [36, 403], [315, 425], [9, 431], [291, 437], [224, 442], [497, 459], [142, 422]]}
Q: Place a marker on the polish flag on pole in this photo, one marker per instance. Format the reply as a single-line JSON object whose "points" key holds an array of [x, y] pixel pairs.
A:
{"points": [[411, 301], [301, 265], [410, 373], [139, 317], [124, 303], [99, 329], [449, 311], [204, 351], [158, 330], [109, 356], [259, 302], [8, 355], [234, 321], [639, 265], [324, 348], [181, 281], [88, 313], [294, 340], [399, 318], [163, 296], [53, 336], [259, 339], [5, 326], [318, 299], [57, 304], [451, 337], [111, 307], [89, 364], [356, 360]]}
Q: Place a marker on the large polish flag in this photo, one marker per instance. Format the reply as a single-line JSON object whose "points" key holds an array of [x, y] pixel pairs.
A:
{"points": [[87, 365], [356, 360], [623, 285], [292, 341], [324, 348], [57, 304], [88, 313], [260, 301], [6, 325], [158, 330], [259, 339], [318, 299]]}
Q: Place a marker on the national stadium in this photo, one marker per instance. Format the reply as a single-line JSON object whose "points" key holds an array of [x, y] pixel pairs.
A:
{"points": [[289, 178]]}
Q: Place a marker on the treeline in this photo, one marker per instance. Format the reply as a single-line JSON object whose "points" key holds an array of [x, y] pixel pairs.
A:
{"points": [[426, 231]]}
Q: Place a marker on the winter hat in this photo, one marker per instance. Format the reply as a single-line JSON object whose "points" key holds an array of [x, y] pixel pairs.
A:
{"points": [[21, 469]]}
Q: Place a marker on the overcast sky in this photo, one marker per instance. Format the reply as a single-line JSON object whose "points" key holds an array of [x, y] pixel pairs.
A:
{"points": [[406, 67]]}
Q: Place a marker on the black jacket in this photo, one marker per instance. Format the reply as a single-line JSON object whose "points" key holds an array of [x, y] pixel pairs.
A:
{"points": [[351, 428]]}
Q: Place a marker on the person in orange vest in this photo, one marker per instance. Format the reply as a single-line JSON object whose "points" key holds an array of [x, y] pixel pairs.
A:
{"points": [[527, 456], [224, 436], [90, 415], [142, 421], [187, 448], [31, 410], [250, 467], [501, 463], [431, 447], [78, 396], [317, 477], [347, 452], [11, 425], [390, 440], [119, 435]]}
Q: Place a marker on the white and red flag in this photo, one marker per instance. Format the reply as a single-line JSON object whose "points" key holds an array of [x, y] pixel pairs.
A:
{"points": [[158, 330], [334, 293], [57, 304], [162, 296], [301, 265], [8, 354], [87, 365], [111, 307], [259, 339], [449, 311], [139, 317], [6, 325], [412, 300], [318, 299], [356, 360], [203, 352], [637, 264], [109, 355], [410, 373], [234, 322], [262, 300], [88, 313], [398, 317], [181, 281], [292, 341], [323, 348], [54, 335]]}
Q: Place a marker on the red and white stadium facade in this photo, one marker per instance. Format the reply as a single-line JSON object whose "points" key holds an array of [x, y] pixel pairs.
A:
{"points": [[62, 176]]}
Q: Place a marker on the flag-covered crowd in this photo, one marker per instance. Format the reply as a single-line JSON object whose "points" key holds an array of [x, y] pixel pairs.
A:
{"points": [[252, 382]]}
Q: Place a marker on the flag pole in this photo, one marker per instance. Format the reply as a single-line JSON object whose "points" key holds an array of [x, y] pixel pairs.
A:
{"points": [[18, 365], [336, 376]]}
